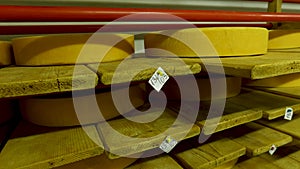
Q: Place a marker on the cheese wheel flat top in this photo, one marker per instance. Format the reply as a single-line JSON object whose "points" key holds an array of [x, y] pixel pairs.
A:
{"points": [[227, 41], [60, 111], [284, 39], [65, 49], [290, 80], [5, 53]]}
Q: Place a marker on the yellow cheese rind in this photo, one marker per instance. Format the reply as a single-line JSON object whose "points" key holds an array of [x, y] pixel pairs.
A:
{"points": [[65, 49], [233, 88], [284, 39], [5, 53], [57, 112], [6, 111], [290, 80], [227, 41]]}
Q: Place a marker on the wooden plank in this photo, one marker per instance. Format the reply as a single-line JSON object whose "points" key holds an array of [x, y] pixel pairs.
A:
{"points": [[233, 115], [290, 127], [211, 155], [25, 81], [284, 91], [98, 162], [256, 138], [255, 67], [265, 101], [48, 150], [145, 136], [284, 158], [160, 162], [139, 69]]}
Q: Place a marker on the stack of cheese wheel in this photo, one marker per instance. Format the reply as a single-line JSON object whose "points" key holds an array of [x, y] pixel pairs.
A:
{"points": [[280, 39], [284, 39], [233, 88], [58, 111], [65, 48], [195, 42], [5, 53], [7, 110]]}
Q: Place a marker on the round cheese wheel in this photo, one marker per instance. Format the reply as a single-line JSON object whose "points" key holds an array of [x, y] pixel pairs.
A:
{"points": [[227, 41], [57, 112], [290, 80], [6, 110], [233, 88], [65, 49], [5, 53], [284, 39]]}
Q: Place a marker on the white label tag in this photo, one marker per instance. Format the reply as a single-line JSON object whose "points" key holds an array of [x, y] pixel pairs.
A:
{"points": [[158, 79], [168, 144], [272, 149], [288, 113]]}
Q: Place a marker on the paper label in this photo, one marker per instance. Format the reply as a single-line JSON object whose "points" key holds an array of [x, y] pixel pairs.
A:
{"points": [[168, 144], [288, 113], [272, 149], [158, 79]]}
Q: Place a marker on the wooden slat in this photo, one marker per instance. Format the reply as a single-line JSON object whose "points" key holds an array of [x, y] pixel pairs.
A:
{"points": [[272, 105], [284, 158], [284, 91], [160, 162], [24, 81], [256, 138], [211, 155], [142, 69], [233, 115], [256, 67], [290, 127], [48, 150], [99, 162], [152, 133]]}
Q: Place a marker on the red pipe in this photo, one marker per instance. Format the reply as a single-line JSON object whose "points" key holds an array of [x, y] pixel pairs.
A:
{"points": [[83, 14], [53, 29], [289, 1]]}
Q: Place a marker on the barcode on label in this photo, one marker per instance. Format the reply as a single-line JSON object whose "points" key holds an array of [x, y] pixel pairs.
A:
{"points": [[158, 79]]}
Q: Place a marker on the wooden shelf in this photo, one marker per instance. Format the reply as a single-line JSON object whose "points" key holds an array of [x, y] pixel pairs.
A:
{"points": [[210, 155], [141, 69], [256, 138], [152, 133], [256, 67], [26, 81], [30, 81], [50, 149]]}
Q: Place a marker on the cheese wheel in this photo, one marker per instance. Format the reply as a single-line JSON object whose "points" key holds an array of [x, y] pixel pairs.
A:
{"points": [[227, 41], [5, 53], [65, 49], [284, 39], [6, 110], [233, 88], [290, 80], [57, 112]]}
